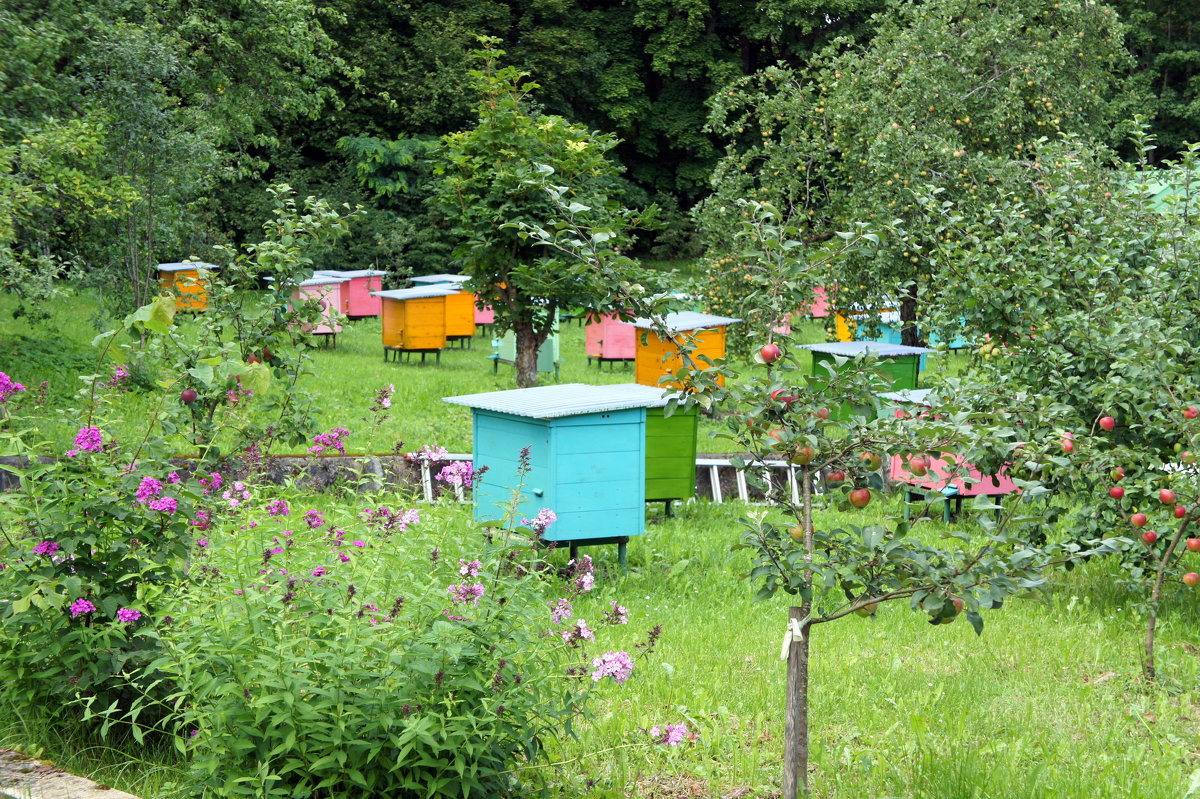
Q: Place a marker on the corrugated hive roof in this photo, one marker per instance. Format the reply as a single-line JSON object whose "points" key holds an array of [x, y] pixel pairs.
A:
{"points": [[350, 273], [417, 293], [913, 395], [179, 267], [686, 320], [851, 349], [440, 279], [566, 399]]}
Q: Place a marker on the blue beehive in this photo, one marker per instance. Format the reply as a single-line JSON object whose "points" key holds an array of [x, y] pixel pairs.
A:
{"points": [[587, 458]]}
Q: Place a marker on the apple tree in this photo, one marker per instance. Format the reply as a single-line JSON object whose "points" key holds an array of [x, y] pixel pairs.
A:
{"points": [[956, 95], [492, 180]]}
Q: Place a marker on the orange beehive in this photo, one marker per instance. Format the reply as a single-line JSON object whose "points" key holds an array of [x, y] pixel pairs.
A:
{"points": [[657, 357], [414, 320], [460, 308], [186, 281]]}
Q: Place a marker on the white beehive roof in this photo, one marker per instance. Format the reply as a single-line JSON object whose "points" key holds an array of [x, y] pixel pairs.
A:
{"points": [[686, 320], [416, 293], [566, 399]]}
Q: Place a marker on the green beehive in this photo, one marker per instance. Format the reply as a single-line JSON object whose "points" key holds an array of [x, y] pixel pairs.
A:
{"points": [[898, 364], [670, 446]]}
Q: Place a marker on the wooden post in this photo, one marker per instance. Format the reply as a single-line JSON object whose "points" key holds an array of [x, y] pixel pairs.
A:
{"points": [[795, 758]]}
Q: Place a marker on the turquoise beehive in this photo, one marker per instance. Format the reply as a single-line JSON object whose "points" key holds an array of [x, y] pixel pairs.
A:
{"points": [[587, 458]]}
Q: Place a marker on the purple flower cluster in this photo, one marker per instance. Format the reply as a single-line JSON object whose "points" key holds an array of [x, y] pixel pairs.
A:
{"points": [[469, 568], [561, 611], [669, 734], [579, 631], [236, 494], [88, 439], [428, 453], [81, 607], [119, 376], [128, 615], [149, 493], [583, 578], [46, 548], [8, 387], [387, 521], [331, 439], [617, 665], [538, 524], [314, 519], [278, 508], [616, 615], [211, 484], [462, 594], [457, 473]]}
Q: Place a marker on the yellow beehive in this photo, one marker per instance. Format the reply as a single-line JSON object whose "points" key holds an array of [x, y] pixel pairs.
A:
{"points": [[414, 319], [658, 357], [186, 281]]}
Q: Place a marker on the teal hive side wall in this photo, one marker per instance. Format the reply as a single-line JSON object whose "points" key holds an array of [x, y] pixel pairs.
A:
{"points": [[589, 469]]}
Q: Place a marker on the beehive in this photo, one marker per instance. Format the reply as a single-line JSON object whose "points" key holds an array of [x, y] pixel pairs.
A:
{"points": [[357, 294], [414, 320], [547, 355], [587, 450], [327, 291], [670, 445], [607, 338], [657, 358], [898, 364], [186, 281], [460, 306]]}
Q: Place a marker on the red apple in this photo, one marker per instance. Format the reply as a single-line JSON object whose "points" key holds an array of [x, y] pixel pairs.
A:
{"points": [[1191, 579], [1138, 520], [1116, 492], [871, 460], [1068, 446], [1188, 458], [1149, 536], [1191, 412], [252, 358], [918, 465], [823, 413], [779, 396], [803, 456], [188, 396], [1117, 474], [859, 497], [1166, 496], [770, 353], [1180, 511], [1108, 423], [958, 604], [266, 354], [836, 476], [1193, 544]]}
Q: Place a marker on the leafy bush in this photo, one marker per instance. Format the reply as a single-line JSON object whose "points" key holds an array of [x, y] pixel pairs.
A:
{"points": [[329, 661]]}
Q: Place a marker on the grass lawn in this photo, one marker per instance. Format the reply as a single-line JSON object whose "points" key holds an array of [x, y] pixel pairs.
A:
{"points": [[1047, 703]]}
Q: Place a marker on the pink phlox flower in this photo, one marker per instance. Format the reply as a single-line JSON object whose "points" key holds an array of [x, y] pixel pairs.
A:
{"points": [[561, 611], [462, 594], [46, 548], [201, 542], [359, 544], [202, 521], [314, 519], [469, 568], [88, 439], [278, 508], [128, 615], [120, 373], [276, 550], [617, 665], [319, 571], [8, 387], [81, 607], [343, 557], [616, 615], [174, 478], [212, 484], [538, 524], [330, 439], [430, 453], [669, 735], [164, 504], [579, 631], [452, 617], [584, 579], [457, 473]]}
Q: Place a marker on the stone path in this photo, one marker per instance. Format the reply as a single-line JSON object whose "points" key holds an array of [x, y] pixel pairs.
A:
{"points": [[23, 777]]}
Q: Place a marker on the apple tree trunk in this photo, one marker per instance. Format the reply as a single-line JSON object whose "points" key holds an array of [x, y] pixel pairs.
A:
{"points": [[529, 339], [795, 757], [910, 335]]}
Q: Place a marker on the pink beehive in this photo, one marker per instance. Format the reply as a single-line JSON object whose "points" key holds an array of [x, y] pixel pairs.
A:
{"points": [[484, 315], [610, 339], [327, 292], [355, 298], [819, 308]]}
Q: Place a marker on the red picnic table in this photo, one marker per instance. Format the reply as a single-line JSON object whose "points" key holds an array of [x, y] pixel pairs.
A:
{"points": [[956, 481]]}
